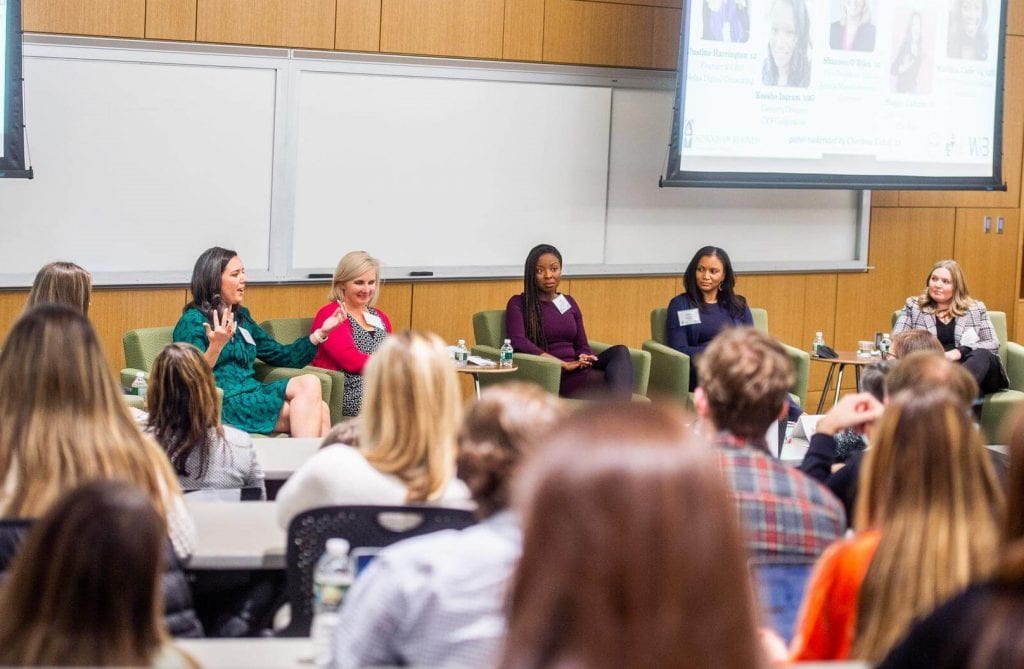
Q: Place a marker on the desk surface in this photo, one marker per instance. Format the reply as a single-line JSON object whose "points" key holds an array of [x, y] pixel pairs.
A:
{"points": [[236, 535], [249, 652], [850, 358], [281, 457]]}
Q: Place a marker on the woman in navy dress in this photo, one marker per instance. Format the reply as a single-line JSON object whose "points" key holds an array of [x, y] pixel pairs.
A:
{"points": [[544, 322], [708, 304]]}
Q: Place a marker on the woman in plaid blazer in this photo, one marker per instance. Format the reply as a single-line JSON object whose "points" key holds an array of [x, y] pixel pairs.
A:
{"points": [[960, 323]]}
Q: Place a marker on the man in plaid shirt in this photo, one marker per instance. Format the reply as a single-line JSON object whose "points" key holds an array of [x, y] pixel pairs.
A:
{"points": [[787, 516]]}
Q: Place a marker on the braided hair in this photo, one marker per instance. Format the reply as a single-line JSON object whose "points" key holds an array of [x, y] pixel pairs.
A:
{"points": [[531, 296]]}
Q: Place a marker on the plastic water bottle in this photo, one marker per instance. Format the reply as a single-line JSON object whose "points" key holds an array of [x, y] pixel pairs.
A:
{"points": [[461, 354], [886, 344], [331, 580], [140, 385], [505, 354], [819, 341]]}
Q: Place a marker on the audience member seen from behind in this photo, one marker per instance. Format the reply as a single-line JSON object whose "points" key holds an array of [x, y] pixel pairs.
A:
{"points": [[437, 600], [61, 283], [185, 420], [789, 46], [907, 64], [926, 527], [85, 587], [967, 38], [215, 322], [354, 289], [854, 31], [405, 436], [65, 423], [631, 552], [911, 341], [857, 413], [786, 515], [726, 20], [547, 323], [980, 627], [960, 323], [707, 305]]}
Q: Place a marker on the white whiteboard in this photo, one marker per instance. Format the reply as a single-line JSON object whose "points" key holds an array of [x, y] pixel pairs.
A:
{"points": [[140, 165], [146, 153]]}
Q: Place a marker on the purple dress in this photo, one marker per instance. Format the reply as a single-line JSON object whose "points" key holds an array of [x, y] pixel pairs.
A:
{"points": [[564, 332]]}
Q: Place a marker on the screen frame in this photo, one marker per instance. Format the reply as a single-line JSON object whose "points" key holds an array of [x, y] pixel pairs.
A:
{"points": [[675, 177], [12, 164]]}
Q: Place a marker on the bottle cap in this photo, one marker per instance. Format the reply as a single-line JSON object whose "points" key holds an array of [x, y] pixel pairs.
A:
{"points": [[337, 547], [819, 334], [462, 342]]}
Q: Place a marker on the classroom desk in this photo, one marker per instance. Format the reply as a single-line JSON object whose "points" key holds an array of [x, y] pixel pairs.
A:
{"points": [[236, 535], [283, 652], [281, 457], [477, 370]]}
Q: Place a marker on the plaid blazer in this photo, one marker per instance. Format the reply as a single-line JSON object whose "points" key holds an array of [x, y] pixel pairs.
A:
{"points": [[912, 318]]}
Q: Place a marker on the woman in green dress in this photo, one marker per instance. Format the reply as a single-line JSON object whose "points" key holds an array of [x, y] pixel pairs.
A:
{"points": [[216, 323]]}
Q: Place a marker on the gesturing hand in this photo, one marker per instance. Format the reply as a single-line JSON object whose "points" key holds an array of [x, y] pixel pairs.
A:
{"points": [[222, 330], [339, 316]]}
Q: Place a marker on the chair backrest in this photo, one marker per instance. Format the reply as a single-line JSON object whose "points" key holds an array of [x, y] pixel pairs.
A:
{"points": [[760, 317], [489, 327], [362, 526], [141, 346], [658, 320], [998, 319], [287, 330]]}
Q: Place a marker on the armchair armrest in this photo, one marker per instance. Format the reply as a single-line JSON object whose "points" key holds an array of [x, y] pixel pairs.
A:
{"points": [[801, 372], [670, 372], [1015, 365], [641, 365], [544, 372]]}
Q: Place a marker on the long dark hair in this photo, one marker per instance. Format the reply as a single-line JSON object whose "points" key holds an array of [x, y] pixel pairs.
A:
{"points": [[735, 304], [182, 403], [84, 589], [613, 492], [531, 297], [800, 62], [205, 284], [958, 37]]}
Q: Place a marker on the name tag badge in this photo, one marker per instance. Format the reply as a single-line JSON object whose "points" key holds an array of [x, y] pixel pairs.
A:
{"points": [[561, 303], [373, 320], [246, 336], [688, 317]]}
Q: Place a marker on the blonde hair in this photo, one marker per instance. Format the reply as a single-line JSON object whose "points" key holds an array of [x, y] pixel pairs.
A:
{"points": [[961, 302], [352, 265], [65, 422], [411, 413], [61, 283], [928, 487], [865, 14], [746, 376]]}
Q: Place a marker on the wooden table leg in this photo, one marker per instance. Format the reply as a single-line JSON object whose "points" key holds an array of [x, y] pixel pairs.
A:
{"points": [[824, 390]]}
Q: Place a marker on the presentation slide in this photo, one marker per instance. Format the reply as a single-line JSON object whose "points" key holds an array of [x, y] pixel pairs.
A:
{"points": [[840, 87]]}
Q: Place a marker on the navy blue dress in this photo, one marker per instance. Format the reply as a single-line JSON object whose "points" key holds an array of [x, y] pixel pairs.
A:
{"points": [[693, 338]]}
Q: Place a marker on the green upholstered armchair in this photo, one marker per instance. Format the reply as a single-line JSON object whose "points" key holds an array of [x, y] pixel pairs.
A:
{"points": [[670, 369], [287, 330], [489, 333], [997, 406]]}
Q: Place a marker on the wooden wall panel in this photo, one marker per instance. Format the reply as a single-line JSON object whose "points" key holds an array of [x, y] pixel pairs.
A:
{"points": [[885, 198], [114, 311], [357, 25], [466, 28], [904, 245], [665, 43], [598, 33], [297, 301], [618, 310], [677, 4], [1013, 139], [1015, 18], [113, 18], [171, 19], [523, 37], [12, 303], [306, 24], [448, 308], [989, 259]]}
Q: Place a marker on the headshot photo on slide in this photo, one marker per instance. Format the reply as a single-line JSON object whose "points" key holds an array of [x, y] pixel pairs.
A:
{"points": [[967, 37], [913, 39], [852, 27], [788, 58], [725, 20]]}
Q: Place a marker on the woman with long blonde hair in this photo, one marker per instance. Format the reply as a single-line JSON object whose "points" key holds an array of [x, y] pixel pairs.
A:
{"points": [[926, 523], [65, 423], [402, 449], [961, 324], [85, 588]]}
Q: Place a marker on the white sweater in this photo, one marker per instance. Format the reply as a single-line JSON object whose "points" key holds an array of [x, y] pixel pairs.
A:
{"points": [[339, 475]]}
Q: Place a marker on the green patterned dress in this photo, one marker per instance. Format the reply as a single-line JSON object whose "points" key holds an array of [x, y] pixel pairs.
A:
{"points": [[248, 404]]}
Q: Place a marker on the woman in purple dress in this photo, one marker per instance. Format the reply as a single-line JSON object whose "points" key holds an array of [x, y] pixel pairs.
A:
{"points": [[547, 323]]}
